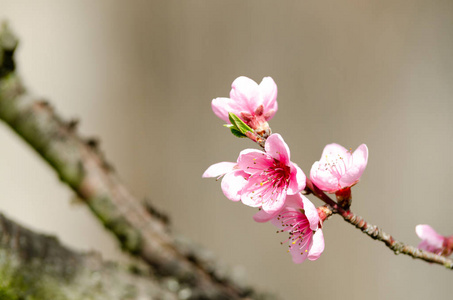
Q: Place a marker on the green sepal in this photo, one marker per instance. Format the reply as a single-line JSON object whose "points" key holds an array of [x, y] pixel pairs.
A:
{"points": [[239, 124], [237, 133]]}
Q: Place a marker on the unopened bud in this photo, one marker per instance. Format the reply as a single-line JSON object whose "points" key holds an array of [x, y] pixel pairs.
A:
{"points": [[344, 197], [448, 246]]}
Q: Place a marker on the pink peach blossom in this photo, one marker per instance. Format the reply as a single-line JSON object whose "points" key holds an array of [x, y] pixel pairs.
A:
{"points": [[272, 175], [339, 168], [254, 104], [260, 179], [299, 218], [434, 242]]}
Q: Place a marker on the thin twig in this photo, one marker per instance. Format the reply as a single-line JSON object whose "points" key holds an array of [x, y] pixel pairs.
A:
{"points": [[398, 247], [372, 230], [376, 233]]}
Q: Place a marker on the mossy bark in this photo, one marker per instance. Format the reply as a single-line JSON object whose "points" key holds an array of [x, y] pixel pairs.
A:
{"points": [[37, 267]]}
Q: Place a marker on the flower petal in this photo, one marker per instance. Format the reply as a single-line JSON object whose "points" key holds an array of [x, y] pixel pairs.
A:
{"points": [[253, 161], [222, 106], [297, 180], [300, 254], [317, 246], [298, 257], [323, 178], [351, 177], [261, 216], [218, 169], [273, 205], [249, 197], [311, 213], [268, 90], [333, 149], [428, 234], [246, 93], [357, 165], [232, 184], [360, 156], [277, 148], [295, 201]]}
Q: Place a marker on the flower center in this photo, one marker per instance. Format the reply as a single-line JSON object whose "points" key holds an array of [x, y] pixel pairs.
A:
{"points": [[336, 163], [276, 178], [257, 121], [298, 227]]}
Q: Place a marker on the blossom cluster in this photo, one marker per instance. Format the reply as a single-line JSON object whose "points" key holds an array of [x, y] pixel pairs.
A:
{"points": [[270, 181]]}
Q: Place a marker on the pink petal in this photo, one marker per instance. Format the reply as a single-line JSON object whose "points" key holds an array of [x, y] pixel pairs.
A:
{"points": [[351, 177], [298, 258], [254, 161], [311, 213], [323, 179], [261, 216], [245, 91], [299, 255], [232, 184], [360, 158], [295, 201], [358, 164], [222, 106], [292, 203], [277, 148], [297, 180], [428, 234], [249, 197], [288, 212], [268, 90], [333, 149], [218, 169], [317, 247], [275, 204]]}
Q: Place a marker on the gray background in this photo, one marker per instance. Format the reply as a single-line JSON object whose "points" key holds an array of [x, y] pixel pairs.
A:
{"points": [[141, 76]]}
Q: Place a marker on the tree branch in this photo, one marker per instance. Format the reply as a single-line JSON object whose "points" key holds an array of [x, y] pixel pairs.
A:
{"points": [[397, 247], [80, 164]]}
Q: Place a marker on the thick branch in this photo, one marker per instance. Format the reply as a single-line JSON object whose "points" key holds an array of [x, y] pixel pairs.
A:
{"points": [[80, 164], [38, 266], [376, 233]]}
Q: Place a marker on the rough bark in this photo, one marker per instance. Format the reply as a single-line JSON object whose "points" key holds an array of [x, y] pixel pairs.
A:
{"points": [[36, 266], [80, 164]]}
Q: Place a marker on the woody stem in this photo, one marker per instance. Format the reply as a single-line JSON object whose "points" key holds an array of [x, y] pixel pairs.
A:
{"points": [[376, 233]]}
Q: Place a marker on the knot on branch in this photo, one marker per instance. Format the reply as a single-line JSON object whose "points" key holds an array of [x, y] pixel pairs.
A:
{"points": [[398, 247]]}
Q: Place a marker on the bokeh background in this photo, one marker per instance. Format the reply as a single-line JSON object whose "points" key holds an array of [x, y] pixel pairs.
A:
{"points": [[140, 75]]}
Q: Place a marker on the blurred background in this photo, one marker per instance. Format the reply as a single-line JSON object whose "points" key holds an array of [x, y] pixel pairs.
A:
{"points": [[140, 75]]}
